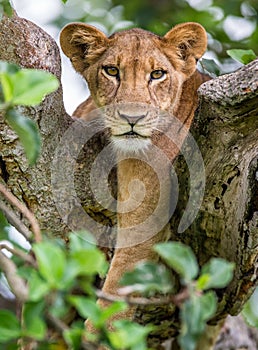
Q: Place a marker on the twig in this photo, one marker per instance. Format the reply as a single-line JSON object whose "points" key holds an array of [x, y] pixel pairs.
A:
{"points": [[24, 256], [16, 283], [24, 210], [61, 327], [15, 221], [175, 299]]}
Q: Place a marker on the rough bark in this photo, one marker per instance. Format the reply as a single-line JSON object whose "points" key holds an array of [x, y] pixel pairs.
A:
{"points": [[226, 132]]}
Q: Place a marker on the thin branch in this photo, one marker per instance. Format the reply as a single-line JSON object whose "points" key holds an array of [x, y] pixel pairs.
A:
{"points": [[15, 221], [61, 327], [140, 301], [16, 283], [24, 210], [15, 251]]}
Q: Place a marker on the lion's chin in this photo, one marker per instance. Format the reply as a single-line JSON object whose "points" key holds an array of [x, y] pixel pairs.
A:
{"points": [[130, 145]]}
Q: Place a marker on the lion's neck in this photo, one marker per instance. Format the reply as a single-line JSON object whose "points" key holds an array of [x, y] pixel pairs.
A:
{"points": [[143, 197]]}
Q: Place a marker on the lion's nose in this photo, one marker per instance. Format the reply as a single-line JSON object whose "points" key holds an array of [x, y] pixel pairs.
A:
{"points": [[131, 119]]}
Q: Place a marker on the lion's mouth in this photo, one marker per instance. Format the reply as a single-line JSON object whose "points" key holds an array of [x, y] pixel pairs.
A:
{"points": [[131, 134]]}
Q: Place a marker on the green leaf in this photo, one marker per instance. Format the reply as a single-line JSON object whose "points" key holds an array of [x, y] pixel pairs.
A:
{"points": [[218, 273], [9, 326], [25, 87], [7, 8], [208, 302], [202, 281], [111, 310], [73, 338], [34, 325], [7, 86], [210, 66], [81, 240], [194, 314], [38, 288], [129, 335], [180, 257], [242, 56], [31, 86], [148, 277], [4, 227], [6, 83], [85, 258], [87, 308], [27, 132], [88, 262], [250, 310], [51, 261], [64, 1]]}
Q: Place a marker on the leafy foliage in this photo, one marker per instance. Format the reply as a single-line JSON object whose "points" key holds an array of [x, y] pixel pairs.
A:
{"points": [[9, 327], [25, 87], [250, 311], [61, 270], [4, 227], [217, 273], [5, 8], [199, 305], [210, 67], [129, 335], [242, 56], [195, 312], [88, 309], [147, 279], [51, 288], [180, 257]]}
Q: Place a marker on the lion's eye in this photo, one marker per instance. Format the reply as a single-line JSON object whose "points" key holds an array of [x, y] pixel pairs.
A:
{"points": [[112, 71], [157, 74]]}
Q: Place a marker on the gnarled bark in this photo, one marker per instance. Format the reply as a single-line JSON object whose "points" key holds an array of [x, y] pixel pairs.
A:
{"points": [[226, 131]]}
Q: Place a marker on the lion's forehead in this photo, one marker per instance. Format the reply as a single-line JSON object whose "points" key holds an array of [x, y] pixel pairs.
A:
{"points": [[141, 34], [134, 49]]}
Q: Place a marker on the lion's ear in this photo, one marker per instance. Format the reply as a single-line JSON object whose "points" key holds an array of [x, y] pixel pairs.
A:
{"points": [[83, 44], [189, 42]]}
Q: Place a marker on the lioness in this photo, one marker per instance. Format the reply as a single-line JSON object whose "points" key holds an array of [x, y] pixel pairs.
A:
{"points": [[139, 73]]}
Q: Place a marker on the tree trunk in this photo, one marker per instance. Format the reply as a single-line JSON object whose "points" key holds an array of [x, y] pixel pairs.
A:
{"points": [[225, 129]]}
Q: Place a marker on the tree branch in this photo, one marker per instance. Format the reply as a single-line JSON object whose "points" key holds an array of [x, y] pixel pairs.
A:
{"points": [[16, 283], [24, 256], [140, 301], [24, 210], [61, 327], [15, 221]]}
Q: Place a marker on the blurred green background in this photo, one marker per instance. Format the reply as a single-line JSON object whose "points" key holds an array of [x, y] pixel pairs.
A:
{"points": [[229, 23]]}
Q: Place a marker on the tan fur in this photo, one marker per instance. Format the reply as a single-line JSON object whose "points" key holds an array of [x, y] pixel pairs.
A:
{"points": [[136, 54]]}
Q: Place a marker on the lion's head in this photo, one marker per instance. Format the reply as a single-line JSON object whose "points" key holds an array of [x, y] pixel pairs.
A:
{"points": [[136, 72]]}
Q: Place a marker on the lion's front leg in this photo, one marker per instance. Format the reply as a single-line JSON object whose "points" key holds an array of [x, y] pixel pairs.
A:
{"points": [[124, 260], [143, 216]]}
